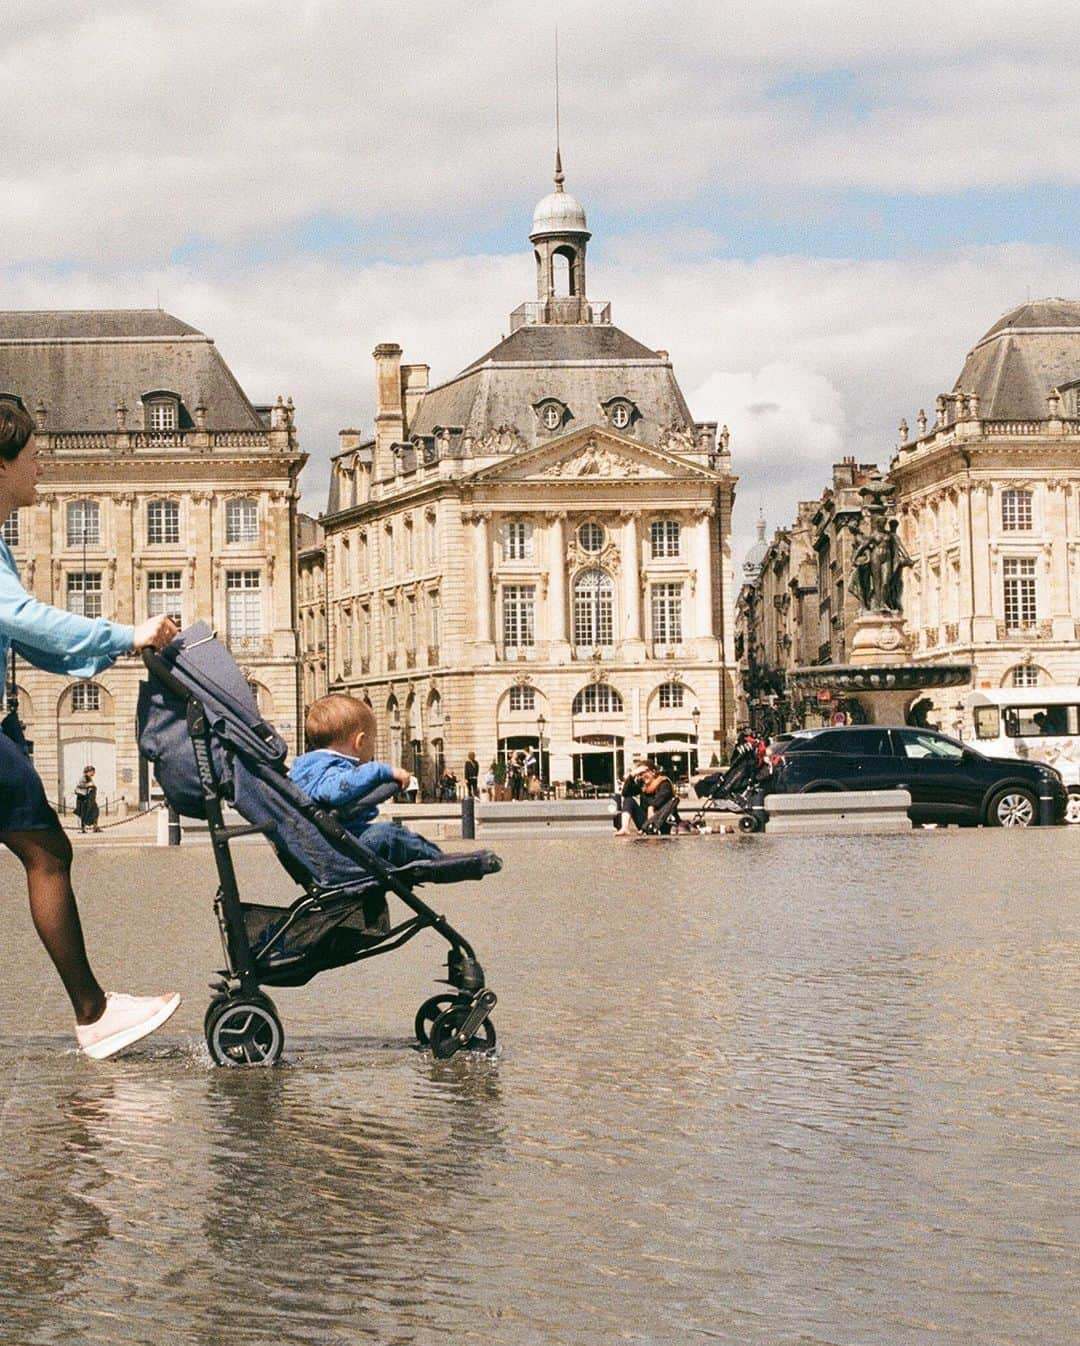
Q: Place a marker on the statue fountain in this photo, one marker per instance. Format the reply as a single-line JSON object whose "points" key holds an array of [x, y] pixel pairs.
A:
{"points": [[881, 677]]}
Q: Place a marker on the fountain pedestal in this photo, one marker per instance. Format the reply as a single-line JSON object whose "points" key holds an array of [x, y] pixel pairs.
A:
{"points": [[880, 677]]}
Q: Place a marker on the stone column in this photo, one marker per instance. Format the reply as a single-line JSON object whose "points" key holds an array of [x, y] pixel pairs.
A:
{"points": [[630, 566], [983, 627], [703, 609], [482, 556], [1056, 529], [556, 541]]}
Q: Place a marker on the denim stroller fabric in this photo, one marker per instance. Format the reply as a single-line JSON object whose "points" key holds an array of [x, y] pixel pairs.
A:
{"points": [[248, 755]]}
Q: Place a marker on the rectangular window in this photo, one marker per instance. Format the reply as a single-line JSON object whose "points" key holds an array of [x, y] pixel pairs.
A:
{"points": [[241, 521], [435, 619], [410, 616], [518, 604], [10, 529], [161, 416], [243, 604], [83, 523], [365, 634], [391, 627], [1025, 675], [86, 696], [409, 558], [163, 522], [432, 539], [1016, 515], [522, 698], [163, 594], [667, 614], [84, 593], [664, 537], [517, 541], [671, 696], [1019, 576]]}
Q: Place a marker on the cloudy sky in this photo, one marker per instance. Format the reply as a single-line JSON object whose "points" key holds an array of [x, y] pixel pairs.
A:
{"points": [[817, 206]]}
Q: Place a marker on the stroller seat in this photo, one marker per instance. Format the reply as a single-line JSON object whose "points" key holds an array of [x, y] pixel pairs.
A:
{"points": [[199, 723]]}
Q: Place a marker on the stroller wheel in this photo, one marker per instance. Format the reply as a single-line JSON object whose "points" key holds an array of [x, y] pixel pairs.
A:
{"points": [[444, 1041], [428, 1012], [244, 1031], [748, 823]]}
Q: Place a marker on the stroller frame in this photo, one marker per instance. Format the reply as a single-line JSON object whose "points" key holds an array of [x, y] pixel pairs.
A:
{"points": [[241, 1023], [746, 805]]}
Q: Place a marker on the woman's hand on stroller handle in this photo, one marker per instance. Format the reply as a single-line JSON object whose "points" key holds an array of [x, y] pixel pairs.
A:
{"points": [[155, 633]]}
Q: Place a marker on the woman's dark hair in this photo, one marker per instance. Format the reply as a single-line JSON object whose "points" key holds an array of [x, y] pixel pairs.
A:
{"points": [[16, 426]]}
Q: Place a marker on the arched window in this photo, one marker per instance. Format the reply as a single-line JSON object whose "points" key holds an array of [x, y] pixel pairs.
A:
{"points": [[598, 698], [593, 608], [1025, 675]]}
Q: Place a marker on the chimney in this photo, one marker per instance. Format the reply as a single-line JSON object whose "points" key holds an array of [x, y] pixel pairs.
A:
{"points": [[389, 410], [414, 384]]}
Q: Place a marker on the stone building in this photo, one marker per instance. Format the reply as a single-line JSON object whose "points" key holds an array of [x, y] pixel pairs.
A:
{"points": [[164, 490], [989, 497], [537, 551], [795, 607], [311, 606]]}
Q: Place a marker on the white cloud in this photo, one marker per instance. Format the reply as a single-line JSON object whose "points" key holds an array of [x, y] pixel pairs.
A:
{"points": [[132, 127]]}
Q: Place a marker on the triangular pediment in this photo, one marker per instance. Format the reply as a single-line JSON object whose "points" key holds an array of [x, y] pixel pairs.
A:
{"points": [[589, 454]]}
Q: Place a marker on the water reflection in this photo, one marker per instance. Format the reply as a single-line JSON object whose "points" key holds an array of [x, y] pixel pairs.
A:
{"points": [[753, 1092]]}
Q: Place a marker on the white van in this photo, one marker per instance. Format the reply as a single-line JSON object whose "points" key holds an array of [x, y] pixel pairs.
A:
{"points": [[1039, 724]]}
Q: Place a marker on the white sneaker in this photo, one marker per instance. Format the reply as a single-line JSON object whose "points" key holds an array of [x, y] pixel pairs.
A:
{"points": [[127, 1018]]}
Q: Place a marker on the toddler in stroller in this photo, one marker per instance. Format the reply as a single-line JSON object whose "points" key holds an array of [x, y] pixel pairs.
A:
{"points": [[200, 726]]}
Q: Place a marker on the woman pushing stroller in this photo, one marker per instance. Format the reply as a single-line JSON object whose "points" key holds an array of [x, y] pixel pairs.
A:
{"points": [[75, 646]]}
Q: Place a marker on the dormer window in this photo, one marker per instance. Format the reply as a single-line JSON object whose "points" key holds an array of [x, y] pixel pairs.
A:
{"points": [[551, 413], [621, 412], [161, 412]]}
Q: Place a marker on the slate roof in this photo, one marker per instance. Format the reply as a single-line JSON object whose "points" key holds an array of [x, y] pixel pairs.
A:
{"points": [[81, 364], [1027, 352], [580, 365]]}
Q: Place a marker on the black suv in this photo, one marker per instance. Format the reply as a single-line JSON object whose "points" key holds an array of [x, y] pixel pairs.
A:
{"points": [[948, 782]]}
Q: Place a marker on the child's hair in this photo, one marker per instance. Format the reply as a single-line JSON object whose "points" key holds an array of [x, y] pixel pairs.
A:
{"points": [[16, 427], [334, 717]]}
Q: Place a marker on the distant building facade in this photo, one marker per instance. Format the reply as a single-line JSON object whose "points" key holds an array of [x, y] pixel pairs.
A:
{"points": [[795, 607], [164, 490], [536, 553], [311, 605], [989, 498]]}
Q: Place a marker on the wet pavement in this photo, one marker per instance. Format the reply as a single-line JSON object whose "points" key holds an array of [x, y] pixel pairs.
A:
{"points": [[747, 1090]]}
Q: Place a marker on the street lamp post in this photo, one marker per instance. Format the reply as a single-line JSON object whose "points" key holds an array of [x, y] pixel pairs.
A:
{"points": [[695, 715], [541, 725]]}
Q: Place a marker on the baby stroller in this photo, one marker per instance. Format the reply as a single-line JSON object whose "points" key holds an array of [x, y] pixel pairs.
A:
{"points": [[730, 792], [199, 724]]}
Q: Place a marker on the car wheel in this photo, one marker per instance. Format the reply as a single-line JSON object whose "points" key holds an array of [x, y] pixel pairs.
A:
{"points": [[1012, 807], [820, 787], [1072, 808]]}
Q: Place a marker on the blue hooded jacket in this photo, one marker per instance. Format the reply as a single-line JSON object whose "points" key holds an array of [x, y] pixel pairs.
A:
{"points": [[333, 779]]}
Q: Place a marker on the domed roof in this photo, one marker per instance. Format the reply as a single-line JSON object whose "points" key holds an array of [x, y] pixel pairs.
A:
{"points": [[1028, 352], [1036, 315], [559, 213], [757, 553]]}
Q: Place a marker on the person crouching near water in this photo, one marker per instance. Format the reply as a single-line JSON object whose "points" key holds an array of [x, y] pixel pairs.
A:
{"points": [[339, 769], [76, 647]]}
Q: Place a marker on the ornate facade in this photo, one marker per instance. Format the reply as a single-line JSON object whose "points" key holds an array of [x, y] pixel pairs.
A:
{"points": [[311, 606], [164, 490], [796, 605], [989, 495], [537, 552]]}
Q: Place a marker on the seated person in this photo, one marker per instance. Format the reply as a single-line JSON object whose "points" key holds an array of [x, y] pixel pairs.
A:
{"points": [[340, 731], [657, 792], [629, 810]]}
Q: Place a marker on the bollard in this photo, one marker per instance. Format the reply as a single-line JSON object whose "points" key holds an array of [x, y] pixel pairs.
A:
{"points": [[1046, 810], [468, 818], [162, 828], [174, 827]]}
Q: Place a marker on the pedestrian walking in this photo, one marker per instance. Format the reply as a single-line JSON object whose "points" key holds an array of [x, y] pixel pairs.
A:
{"points": [[86, 805], [74, 646], [472, 775]]}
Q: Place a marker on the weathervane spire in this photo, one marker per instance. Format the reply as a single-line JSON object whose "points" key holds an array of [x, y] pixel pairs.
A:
{"points": [[559, 176]]}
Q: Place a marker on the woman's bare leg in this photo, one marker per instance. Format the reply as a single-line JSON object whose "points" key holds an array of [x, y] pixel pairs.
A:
{"points": [[46, 857]]}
